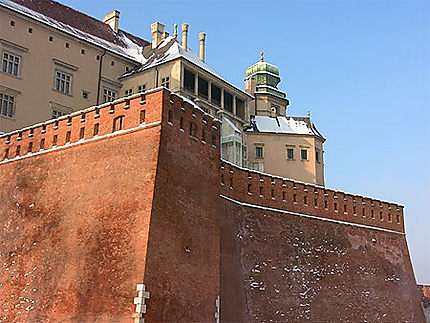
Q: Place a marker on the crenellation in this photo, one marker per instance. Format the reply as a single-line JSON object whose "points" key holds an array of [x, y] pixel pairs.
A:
{"points": [[275, 192]]}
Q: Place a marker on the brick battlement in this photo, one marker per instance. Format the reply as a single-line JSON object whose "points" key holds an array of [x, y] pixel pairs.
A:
{"points": [[265, 190], [138, 111]]}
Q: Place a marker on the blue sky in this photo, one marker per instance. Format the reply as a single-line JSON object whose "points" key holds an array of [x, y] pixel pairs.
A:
{"points": [[361, 67]]}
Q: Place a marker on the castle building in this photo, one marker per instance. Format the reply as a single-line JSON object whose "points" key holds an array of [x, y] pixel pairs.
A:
{"points": [[73, 61], [56, 60], [125, 212], [278, 144]]}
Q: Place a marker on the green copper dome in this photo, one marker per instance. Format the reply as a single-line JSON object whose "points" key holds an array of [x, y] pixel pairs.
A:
{"points": [[263, 73]]}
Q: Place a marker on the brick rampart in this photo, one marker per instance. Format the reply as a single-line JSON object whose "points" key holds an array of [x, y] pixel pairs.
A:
{"points": [[100, 201], [90, 123], [285, 194], [88, 215]]}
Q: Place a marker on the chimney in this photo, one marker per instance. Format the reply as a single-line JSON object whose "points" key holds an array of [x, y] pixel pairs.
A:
{"points": [[202, 40], [112, 19], [185, 36], [157, 30]]}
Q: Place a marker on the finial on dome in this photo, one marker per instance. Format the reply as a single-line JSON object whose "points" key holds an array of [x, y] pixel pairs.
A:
{"points": [[309, 113], [175, 32], [261, 56]]}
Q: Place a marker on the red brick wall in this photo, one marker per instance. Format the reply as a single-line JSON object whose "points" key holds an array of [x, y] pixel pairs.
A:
{"points": [[182, 271], [73, 230], [89, 216], [286, 268], [275, 192]]}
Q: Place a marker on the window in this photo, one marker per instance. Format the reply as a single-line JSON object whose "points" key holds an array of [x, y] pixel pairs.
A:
{"points": [[259, 152], [189, 80], [12, 23], [56, 113], [304, 154], [142, 116], [128, 92], [240, 108], [7, 105], [112, 63], [215, 94], [117, 123], [317, 155], [275, 109], [30, 30], [51, 38], [109, 95], [203, 87], [228, 101], [290, 153], [165, 81], [10, 64], [83, 51], [85, 95], [141, 88], [63, 82], [67, 45]]}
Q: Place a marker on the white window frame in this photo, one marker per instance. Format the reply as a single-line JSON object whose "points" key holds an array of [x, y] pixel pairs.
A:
{"points": [[8, 62], [61, 76], [10, 106], [107, 93], [5, 91]]}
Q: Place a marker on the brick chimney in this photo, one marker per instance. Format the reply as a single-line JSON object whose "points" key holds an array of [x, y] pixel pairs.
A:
{"points": [[112, 19], [157, 31], [202, 40], [185, 36]]}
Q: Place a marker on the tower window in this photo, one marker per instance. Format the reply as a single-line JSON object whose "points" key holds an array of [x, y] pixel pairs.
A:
{"points": [[290, 153], [165, 81], [304, 154], [317, 155], [259, 152]]}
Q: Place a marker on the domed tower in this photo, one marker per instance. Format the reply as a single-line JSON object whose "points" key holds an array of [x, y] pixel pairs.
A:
{"points": [[262, 81]]}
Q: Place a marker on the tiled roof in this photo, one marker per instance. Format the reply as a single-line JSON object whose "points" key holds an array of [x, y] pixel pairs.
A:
{"points": [[77, 20]]}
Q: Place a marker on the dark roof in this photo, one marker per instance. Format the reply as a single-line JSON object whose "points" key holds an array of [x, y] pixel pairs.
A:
{"points": [[78, 20]]}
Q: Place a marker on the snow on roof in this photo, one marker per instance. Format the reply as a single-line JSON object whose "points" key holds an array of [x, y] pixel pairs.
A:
{"points": [[170, 49], [282, 125], [231, 124], [124, 44]]}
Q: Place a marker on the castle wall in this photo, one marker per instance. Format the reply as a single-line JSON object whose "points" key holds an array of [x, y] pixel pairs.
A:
{"points": [[276, 192], [128, 193], [74, 219], [292, 251], [280, 267], [182, 268]]}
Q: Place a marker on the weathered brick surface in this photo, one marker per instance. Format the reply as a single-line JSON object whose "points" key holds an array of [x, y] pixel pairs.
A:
{"points": [[283, 268], [74, 221], [182, 268], [87, 215], [285, 194]]}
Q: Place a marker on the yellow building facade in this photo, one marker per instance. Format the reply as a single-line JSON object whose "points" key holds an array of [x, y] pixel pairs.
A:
{"points": [[56, 60]]}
